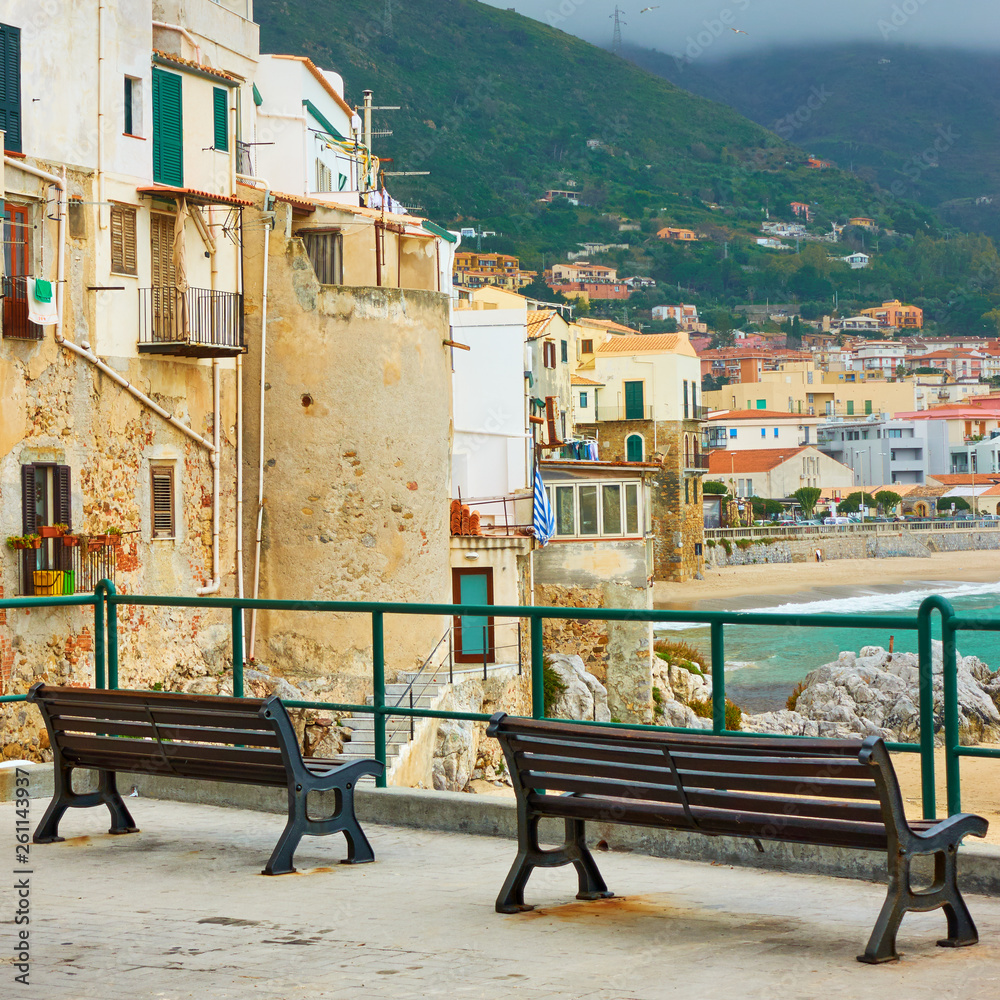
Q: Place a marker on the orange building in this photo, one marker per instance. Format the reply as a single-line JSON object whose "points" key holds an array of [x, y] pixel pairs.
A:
{"points": [[670, 233], [474, 270], [894, 313]]}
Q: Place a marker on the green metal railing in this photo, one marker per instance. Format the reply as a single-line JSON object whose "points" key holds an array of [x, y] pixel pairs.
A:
{"points": [[105, 602]]}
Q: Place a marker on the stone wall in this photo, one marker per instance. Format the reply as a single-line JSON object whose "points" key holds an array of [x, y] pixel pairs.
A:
{"points": [[357, 466], [881, 545]]}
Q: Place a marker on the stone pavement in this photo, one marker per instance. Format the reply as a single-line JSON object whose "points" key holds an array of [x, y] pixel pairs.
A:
{"points": [[181, 911]]}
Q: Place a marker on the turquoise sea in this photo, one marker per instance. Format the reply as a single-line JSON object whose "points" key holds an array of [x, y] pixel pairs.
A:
{"points": [[763, 665]]}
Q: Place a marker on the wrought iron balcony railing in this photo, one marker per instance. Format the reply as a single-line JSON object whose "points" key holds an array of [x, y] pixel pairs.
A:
{"points": [[199, 322], [15, 310]]}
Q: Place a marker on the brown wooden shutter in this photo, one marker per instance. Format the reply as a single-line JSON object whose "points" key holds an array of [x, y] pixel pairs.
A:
{"points": [[123, 256], [63, 513], [163, 501], [117, 241], [28, 499]]}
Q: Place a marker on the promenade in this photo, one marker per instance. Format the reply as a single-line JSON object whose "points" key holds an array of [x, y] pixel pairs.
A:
{"points": [[180, 911]]}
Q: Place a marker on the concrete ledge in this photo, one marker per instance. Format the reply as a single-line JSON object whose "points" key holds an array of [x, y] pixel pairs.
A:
{"points": [[496, 816]]}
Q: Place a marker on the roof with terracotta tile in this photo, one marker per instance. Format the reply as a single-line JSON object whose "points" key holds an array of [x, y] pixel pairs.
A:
{"points": [[651, 343], [538, 322], [168, 57], [752, 460], [965, 478], [580, 380]]}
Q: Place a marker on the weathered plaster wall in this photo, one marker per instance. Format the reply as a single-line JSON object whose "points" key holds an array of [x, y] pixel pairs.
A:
{"points": [[357, 465]]}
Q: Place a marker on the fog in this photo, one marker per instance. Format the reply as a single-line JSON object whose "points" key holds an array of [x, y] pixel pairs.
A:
{"points": [[674, 27]]}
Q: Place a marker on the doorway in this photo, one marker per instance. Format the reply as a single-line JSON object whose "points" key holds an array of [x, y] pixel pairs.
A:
{"points": [[474, 638]]}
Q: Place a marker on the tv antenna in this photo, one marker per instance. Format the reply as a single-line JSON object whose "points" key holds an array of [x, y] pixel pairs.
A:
{"points": [[616, 38]]}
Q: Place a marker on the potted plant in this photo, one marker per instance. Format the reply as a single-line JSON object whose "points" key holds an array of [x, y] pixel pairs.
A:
{"points": [[33, 541], [70, 540], [53, 530], [114, 536]]}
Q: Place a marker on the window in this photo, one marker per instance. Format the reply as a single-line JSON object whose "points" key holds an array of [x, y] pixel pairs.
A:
{"points": [[761, 404], [45, 496], [564, 351], [132, 106], [749, 487], [163, 501], [324, 177], [548, 354], [325, 248], [611, 510], [220, 118], [634, 405], [686, 413], [586, 347], [633, 448], [631, 509], [732, 432], [123, 260], [168, 129], [583, 400], [763, 432], [740, 484], [775, 431], [10, 86], [850, 407], [565, 508], [893, 432], [687, 490], [868, 406], [588, 510]]}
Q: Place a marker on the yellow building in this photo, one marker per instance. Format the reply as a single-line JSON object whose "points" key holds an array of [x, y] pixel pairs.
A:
{"points": [[475, 270], [894, 313]]}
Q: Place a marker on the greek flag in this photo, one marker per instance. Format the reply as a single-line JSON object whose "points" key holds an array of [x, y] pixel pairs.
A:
{"points": [[544, 520]]}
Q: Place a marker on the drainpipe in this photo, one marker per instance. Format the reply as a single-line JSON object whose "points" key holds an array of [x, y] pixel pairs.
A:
{"points": [[251, 645], [101, 221], [213, 586], [185, 33]]}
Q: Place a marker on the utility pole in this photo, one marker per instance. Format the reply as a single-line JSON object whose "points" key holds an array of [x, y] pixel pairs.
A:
{"points": [[616, 38], [387, 19]]}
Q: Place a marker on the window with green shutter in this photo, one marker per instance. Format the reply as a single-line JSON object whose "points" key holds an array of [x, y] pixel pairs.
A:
{"points": [[220, 98], [10, 86], [168, 123]]}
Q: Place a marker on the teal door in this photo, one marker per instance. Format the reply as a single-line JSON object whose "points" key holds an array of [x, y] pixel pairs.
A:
{"points": [[474, 641], [633, 401], [633, 448]]}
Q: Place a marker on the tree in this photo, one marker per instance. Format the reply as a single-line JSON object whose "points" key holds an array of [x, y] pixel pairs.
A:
{"points": [[887, 501], [714, 487], [807, 497], [946, 503], [851, 504], [763, 508], [712, 383]]}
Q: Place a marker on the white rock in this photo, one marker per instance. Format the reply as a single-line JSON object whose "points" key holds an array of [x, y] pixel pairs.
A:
{"points": [[585, 696]]}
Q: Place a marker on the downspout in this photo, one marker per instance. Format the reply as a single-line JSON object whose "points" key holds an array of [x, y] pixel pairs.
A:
{"points": [[213, 586], [102, 223], [181, 30], [260, 465]]}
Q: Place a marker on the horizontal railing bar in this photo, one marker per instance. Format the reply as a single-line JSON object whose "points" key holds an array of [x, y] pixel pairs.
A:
{"points": [[975, 624], [78, 600], [516, 611], [13, 697], [963, 751]]}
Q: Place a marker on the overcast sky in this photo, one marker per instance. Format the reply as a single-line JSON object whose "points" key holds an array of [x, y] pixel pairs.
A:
{"points": [[675, 24]]}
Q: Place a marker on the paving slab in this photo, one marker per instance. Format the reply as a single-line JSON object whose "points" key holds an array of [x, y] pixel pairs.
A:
{"points": [[180, 911]]}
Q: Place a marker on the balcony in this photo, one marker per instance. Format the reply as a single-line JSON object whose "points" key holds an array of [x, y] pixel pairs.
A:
{"points": [[696, 463], [55, 568], [15, 311], [198, 323]]}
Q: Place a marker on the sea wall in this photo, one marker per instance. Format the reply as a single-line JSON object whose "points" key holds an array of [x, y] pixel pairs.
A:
{"points": [[883, 545]]}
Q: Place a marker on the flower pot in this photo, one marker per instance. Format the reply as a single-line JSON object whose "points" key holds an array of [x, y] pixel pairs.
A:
{"points": [[33, 543], [70, 540], [69, 582], [50, 531], [101, 539], [19, 545], [48, 582]]}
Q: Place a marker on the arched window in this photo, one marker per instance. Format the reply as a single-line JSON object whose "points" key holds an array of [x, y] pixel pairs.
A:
{"points": [[633, 448], [687, 452]]}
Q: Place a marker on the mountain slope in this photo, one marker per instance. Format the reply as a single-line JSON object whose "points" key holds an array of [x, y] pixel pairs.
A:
{"points": [[499, 108], [917, 121]]}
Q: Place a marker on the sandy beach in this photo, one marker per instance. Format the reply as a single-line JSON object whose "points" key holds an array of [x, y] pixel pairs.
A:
{"points": [[792, 578]]}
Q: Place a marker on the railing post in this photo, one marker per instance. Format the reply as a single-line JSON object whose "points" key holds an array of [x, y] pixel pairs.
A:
{"points": [[486, 643], [112, 646], [237, 616], [925, 653], [100, 655], [718, 679], [949, 666], [537, 669], [378, 683]]}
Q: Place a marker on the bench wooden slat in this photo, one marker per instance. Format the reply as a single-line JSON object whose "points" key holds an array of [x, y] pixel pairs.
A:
{"points": [[764, 826], [81, 746], [690, 762], [165, 699], [145, 729], [820, 747], [181, 716], [720, 799]]}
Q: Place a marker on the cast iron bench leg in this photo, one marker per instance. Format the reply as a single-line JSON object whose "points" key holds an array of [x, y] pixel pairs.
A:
{"points": [[592, 886], [961, 927], [47, 831], [121, 818], [63, 798], [359, 851], [281, 861]]}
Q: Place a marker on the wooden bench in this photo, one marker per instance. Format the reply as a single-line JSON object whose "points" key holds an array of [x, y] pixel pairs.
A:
{"points": [[836, 793], [247, 741]]}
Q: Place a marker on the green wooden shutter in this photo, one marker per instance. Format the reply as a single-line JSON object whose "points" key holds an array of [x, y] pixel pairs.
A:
{"points": [[10, 86], [220, 111], [633, 401], [168, 123]]}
